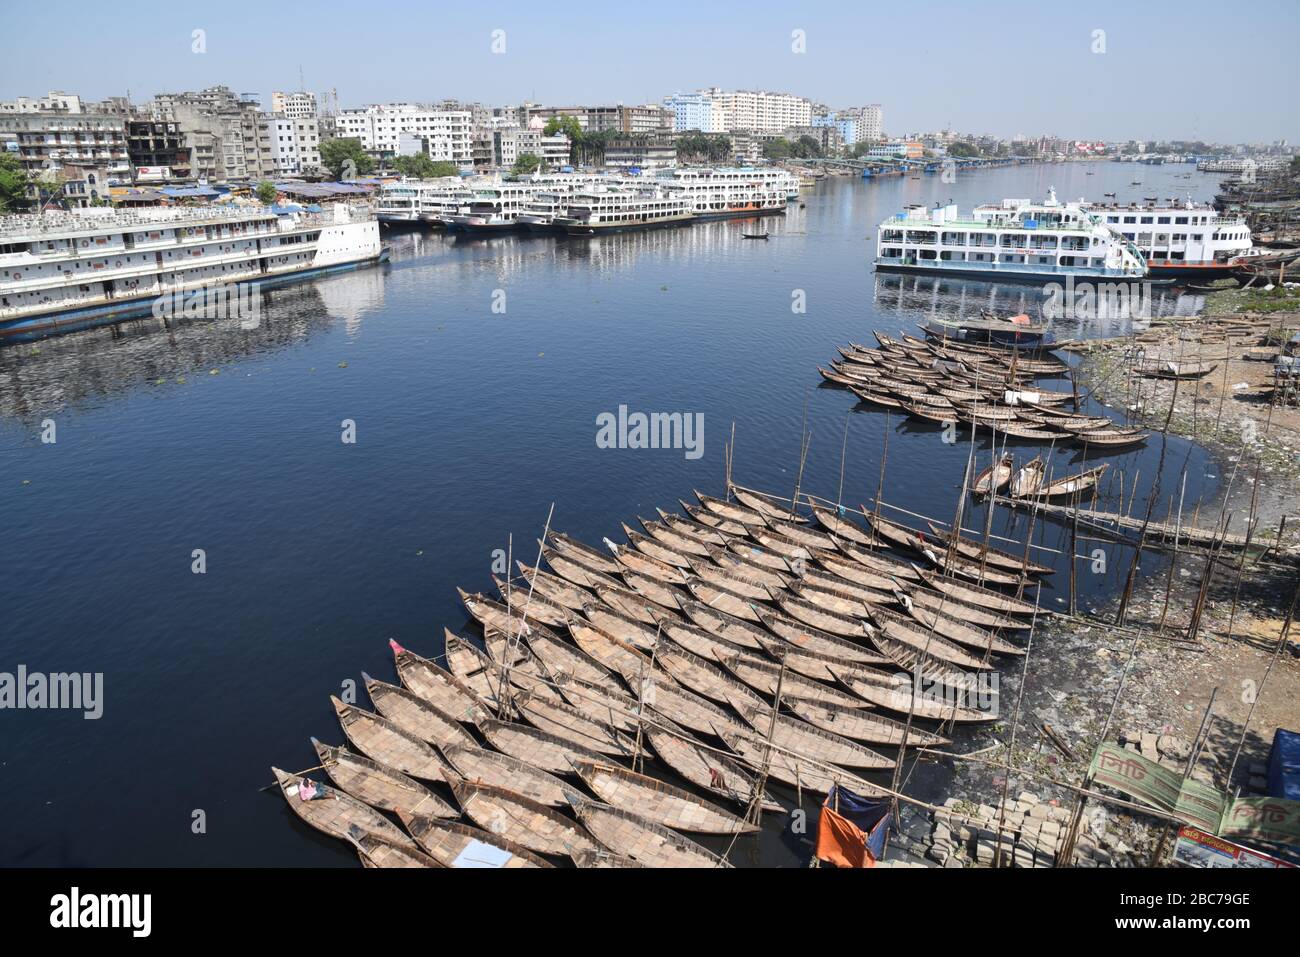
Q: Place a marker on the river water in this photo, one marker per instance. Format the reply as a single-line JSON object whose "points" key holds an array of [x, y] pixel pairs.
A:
{"points": [[473, 373]]}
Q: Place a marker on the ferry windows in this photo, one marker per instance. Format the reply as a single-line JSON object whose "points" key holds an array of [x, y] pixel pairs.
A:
{"points": [[1180, 221], [1146, 220], [1130, 219]]}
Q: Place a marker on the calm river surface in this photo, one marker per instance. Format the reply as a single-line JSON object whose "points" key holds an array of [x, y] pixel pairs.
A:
{"points": [[469, 424]]}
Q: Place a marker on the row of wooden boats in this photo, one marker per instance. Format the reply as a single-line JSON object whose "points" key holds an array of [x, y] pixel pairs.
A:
{"points": [[947, 382], [733, 645], [1031, 482]]}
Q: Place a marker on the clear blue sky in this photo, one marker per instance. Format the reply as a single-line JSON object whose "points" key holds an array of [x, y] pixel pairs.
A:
{"points": [[1181, 69]]}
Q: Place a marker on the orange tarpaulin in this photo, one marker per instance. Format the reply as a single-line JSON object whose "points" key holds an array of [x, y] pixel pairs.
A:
{"points": [[841, 842]]}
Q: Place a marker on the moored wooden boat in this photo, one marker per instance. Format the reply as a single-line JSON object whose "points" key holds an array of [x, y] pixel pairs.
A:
{"points": [[975, 595], [377, 784], [453, 844], [656, 801], [979, 552], [494, 767], [332, 811], [437, 686], [765, 575], [820, 618], [376, 851], [583, 553], [769, 506], [717, 622], [572, 724], [730, 511], [557, 590], [520, 819], [861, 725], [1029, 478], [892, 627], [730, 580], [652, 547], [840, 527], [798, 635], [1071, 486], [412, 713], [640, 839], [762, 677], [794, 771], [541, 749], [962, 632], [706, 768], [533, 606], [995, 477], [797, 735], [386, 743], [722, 599]]}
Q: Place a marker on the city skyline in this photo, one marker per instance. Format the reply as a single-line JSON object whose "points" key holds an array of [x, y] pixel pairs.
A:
{"points": [[1040, 71]]}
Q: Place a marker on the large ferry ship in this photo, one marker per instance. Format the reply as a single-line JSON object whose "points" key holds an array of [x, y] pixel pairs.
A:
{"points": [[1191, 241], [62, 271], [494, 208], [731, 192], [612, 210], [1017, 240], [415, 201]]}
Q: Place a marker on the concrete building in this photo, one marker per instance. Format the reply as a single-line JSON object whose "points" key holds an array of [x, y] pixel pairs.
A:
{"points": [[52, 102], [510, 144], [846, 125], [650, 119], [759, 110], [447, 134], [694, 111], [293, 105], [52, 141], [870, 122], [828, 137], [294, 143], [640, 154], [158, 150]]}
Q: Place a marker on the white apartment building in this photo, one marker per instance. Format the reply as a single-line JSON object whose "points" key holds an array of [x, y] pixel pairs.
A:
{"points": [[511, 143], [295, 105], [694, 111], [52, 102], [759, 110], [870, 122], [294, 143], [447, 134]]}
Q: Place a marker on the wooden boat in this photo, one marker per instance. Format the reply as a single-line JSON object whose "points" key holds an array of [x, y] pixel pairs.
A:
{"points": [[787, 548], [762, 677], [806, 537], [994, 478], [703, 643], [928, 600], [332, 811], [386, 743], [692, 529], [492, 767], [437, 686], [1073, 486], [658, 802], [634, 605], [737, 631], [573, 571], [555, 589], [1111, 439], [712, 519], [961, 632], [413, 714], [617, 656], [717, 597], [841, 528], [614, 707], [769, 506], [670, 538], [530, 607], [911, 659], [651, 547], [762, 236], [861, 725], [833, 593], [820, 618], [893, 627], [1029, 479], [896, 694], [875, 397], [979, 552], [572, 724], [541, 749], [731, 581], [806, 740], [603, 858], [583, 553], [376, 784], [755, 555], [520, 819], [562, 658], [639, 838], [703, 676], [845, 570], [659, 594], [687, 709], [452, 844], [1165, 369], [646, 564], [793, 771], [974, 595], [769, 578], [626, 629], [376, 851], [900, 536], [730, 511], [484, 676], [1018, 431], [880, 564], [706, 768]]}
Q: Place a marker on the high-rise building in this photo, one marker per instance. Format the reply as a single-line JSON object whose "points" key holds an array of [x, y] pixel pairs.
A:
{"points": [[694, 111], [870, 121], [759, 110], [293, 105], [85, 147], [447, 134]]}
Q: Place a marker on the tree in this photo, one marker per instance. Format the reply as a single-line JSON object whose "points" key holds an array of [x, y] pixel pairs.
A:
{"points": [[568, 125], [13, 183], [265, 192], [337, 153], [703, 147], [526, 163], [961, 150], [420, 166]]}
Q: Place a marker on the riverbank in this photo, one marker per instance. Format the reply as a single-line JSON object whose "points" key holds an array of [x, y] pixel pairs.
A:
{"points": [[1072, 676]]}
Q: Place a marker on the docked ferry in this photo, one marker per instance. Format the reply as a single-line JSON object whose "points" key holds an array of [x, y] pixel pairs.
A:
{"points": [[62, 271], [1191, 241], [726, 193], [493, 209], [1016, 240], [613, 210], [419, 201]]}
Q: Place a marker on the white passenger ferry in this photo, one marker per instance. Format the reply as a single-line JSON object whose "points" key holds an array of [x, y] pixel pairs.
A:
{"points": [[729, 192], [493, 208], [1018, 240], [1191, 241], [61, 271], [612, 210], [412, 200]]}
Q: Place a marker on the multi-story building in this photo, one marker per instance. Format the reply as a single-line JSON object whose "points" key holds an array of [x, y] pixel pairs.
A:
{"points": [[828, 137], [52, 102], [510, 144], [759, 110], [158, 150], [640, 154], [447, 134], [649, 119], [293, 105], [694, 111], [869, 122], [294, 143], [49, 144], [845, 124]]}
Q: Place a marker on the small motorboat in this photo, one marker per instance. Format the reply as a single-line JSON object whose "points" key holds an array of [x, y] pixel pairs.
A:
{"points": [[753, 235]]}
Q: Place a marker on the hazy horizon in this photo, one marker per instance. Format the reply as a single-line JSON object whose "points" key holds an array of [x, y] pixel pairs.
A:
{"points": [[1004, 69]]}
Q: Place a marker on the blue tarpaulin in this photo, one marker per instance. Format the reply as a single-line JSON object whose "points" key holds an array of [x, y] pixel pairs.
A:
{"points": [[871, 815], [1284, 765]]}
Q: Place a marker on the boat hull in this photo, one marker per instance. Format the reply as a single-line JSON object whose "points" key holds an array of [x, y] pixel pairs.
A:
{"points": [[599, 230], [1031, 277]]}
